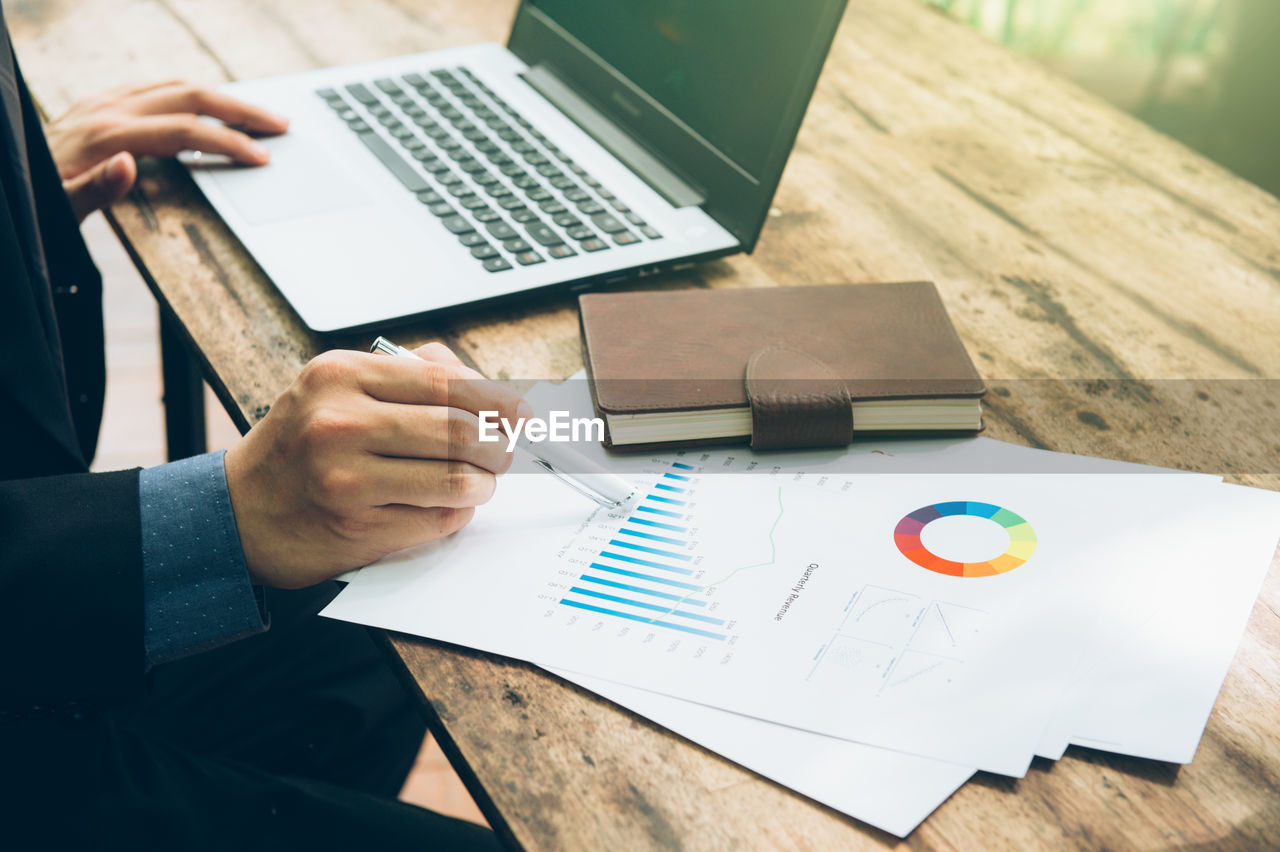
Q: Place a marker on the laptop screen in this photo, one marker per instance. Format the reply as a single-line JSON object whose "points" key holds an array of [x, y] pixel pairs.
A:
{"points": [[725, 68], [713, 90]]}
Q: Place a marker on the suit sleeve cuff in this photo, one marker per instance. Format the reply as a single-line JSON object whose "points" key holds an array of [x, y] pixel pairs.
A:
{"points": [[196, 589]]}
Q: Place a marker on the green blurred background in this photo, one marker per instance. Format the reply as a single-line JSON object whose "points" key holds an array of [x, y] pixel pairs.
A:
{"points": [[1206, 72]]}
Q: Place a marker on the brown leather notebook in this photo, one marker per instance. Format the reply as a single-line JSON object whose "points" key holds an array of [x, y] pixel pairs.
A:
{"points": [[779, 367]]}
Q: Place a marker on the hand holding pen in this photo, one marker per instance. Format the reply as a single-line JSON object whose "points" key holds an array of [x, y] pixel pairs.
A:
{"points": [[361, 456], [588, 478]]}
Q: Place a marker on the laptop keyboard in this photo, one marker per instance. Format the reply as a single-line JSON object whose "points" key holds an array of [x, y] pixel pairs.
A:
{"points": [[491, 178]]}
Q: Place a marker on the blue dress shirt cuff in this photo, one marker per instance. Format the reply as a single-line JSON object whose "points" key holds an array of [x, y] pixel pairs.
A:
{"points": [[196, 590]]}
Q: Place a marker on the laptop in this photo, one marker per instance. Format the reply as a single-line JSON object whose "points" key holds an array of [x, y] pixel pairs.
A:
{"points": [[608, 139]]}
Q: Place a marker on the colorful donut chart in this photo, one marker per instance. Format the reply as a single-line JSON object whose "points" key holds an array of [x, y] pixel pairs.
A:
{"points": [[1022, 539]]}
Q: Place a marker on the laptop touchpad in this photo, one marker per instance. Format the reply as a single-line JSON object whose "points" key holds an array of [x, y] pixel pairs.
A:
{"points": [[302, 179]]}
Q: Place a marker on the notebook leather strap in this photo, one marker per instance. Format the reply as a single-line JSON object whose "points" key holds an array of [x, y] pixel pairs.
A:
{"points": [[796, 401]]}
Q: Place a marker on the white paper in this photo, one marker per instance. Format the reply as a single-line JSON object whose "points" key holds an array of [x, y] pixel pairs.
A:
{"points": [[1154, 700], [872, 649], [1128, 659], [890, 790], [1154, 705], [893, 790]]}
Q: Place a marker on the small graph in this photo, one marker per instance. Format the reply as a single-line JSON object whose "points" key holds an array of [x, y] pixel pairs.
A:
{"points": [[894, 643], [857, 663], [644, 574], [927, 674], [883, 615], [948, 629]]}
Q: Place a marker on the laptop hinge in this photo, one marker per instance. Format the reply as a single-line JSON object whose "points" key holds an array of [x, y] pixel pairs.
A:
{"points": [[663, 181]]}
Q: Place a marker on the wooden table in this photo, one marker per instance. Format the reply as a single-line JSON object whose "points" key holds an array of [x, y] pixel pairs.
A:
{"points": [[1069, 242]]}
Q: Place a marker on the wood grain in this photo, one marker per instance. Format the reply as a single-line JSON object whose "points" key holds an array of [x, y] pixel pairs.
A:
{"points": [[1121, 294]]}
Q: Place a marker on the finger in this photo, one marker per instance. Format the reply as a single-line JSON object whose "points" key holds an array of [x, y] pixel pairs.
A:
{"points": [[101, 186], [415, 382], [435, 432], [185, 98], [421, 483], [130, 89], [167, 135], [113, 96], [408, 526], [439, 353]]}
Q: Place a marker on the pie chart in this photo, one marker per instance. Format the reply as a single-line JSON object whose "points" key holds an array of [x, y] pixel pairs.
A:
{"points": [[1022, 539]]}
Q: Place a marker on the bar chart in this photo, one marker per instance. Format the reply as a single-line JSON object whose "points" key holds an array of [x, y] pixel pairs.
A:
{"points": [[646, 571]]}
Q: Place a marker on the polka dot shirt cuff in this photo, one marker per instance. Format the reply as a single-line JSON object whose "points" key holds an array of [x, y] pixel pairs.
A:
{"points": [[196, 589]]}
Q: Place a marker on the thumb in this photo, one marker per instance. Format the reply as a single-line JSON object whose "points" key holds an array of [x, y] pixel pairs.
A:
{"points": [[101, 186]]}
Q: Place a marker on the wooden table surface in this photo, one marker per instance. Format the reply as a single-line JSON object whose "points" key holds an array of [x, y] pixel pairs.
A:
{"points": [[1069, 242]]}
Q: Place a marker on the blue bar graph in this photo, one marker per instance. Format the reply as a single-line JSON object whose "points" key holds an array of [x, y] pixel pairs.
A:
{"points": [[651, 537], [645, 562], [650, 577], [657, 524], [663, 512], [620, 583], [667, 610], [687, 601], [656, 551], [633, 574], [670, 625]]}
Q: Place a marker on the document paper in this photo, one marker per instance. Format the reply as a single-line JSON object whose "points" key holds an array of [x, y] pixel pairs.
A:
{"points": [[769, 596], [579, 577]]}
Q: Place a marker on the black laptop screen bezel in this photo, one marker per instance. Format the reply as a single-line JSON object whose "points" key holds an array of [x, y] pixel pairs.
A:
{"points": [[736, 199]]}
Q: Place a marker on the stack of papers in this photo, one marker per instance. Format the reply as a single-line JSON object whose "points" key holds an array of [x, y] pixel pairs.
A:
{"points": [[867, 626]]}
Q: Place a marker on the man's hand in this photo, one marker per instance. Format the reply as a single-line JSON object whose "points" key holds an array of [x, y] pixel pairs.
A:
{"points": [[94, 143], [363, 455]]}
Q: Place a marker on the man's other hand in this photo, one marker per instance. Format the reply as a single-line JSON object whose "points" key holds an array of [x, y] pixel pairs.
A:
{"points": [[94, 143], [364, 455]]}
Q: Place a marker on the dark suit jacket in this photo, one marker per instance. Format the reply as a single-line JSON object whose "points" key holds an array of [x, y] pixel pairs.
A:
{"points": [[70, 550]]}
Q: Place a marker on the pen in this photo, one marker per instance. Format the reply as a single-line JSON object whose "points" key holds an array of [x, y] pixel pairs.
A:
{"points": [[589, 479]]}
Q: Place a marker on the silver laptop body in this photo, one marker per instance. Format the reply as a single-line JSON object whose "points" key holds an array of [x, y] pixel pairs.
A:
{"points": [[409, 185]]}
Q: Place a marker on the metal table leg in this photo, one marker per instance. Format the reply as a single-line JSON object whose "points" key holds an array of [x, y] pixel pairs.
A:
{"points": [[184, 424]]}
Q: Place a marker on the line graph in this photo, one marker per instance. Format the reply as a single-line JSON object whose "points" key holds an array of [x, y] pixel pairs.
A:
{"points": [[913, 643], [948, 629], [773, 556]]}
